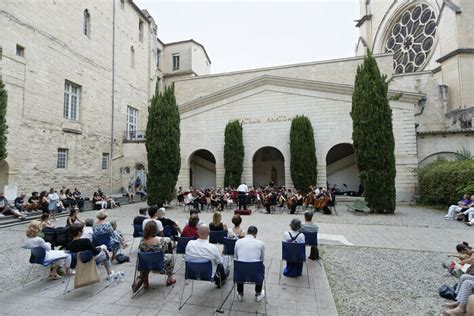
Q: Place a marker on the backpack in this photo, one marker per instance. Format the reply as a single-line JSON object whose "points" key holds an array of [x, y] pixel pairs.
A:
{"points": [[121, 258]]}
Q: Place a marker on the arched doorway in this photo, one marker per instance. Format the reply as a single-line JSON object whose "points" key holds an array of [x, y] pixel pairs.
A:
{"points": [[140, 172], [268, 166], [202, 169], [341, 169], [4, 171]]}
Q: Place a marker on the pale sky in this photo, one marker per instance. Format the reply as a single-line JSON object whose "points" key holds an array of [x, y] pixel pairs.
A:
{"points": [[253, 34]]}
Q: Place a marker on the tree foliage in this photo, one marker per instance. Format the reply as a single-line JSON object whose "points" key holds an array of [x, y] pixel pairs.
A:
{"points": [[162, 146], [372, 134], [3, 121], [233, 154], [303, 164], [444, 182]]}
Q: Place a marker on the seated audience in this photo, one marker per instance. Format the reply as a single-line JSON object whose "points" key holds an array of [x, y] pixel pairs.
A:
{"points": [[153, 213], [191, 229], [79, 244], [236, 232], [202, 249], [152, 243], [6, 209], [73, 218], [20, 203], [79, 200], [455, 209], [309, 227], [249, 249], [216, 224], [118, 236], [71, 200], [34, 241], [44, 202], [138, 220], [87, 231], [110, 200], [294, 269], [168, 222], [45, 221], [463, 291], [102, 227], [34, 202], [98, 201]]}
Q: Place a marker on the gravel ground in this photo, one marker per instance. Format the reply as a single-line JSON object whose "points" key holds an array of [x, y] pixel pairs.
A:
{"points": [[374, 281]]}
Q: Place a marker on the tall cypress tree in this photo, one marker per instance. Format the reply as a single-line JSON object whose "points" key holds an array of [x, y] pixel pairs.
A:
{"points": [[233, 154], [303, 165], [162, 146], [3, 121], [372, 134]]}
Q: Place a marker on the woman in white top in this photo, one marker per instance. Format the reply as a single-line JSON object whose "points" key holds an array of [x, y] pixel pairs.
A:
{"points": [[34, 241]]}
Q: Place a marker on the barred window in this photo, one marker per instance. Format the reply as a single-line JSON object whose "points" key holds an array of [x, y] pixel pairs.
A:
{"points": [[87, 23], [175, 61], [105, 161], [71, 101], [132, 121], [62, 158]]}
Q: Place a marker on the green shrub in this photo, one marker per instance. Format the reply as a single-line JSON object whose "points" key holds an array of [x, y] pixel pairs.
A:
{"points": [[303, 163], [444, 182], [233, 154]]}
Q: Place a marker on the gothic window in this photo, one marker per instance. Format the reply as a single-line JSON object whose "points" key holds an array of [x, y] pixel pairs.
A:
{"points": [[411, 37]]}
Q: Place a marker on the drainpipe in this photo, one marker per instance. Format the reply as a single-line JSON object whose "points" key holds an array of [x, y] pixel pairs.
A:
{"points": [[113, 99]]}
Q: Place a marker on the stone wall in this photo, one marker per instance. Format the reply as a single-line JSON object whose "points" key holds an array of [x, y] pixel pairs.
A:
{"points": [[56, 50]]}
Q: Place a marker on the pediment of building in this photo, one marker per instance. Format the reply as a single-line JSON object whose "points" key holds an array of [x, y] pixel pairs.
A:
{"points": [[288, 82]]}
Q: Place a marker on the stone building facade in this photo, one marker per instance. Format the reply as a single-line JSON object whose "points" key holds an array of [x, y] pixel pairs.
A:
{"points": [[80, 74]]}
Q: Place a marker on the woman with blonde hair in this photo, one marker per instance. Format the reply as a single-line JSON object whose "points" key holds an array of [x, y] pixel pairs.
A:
{"points": [[216, 223], [33, 241]]}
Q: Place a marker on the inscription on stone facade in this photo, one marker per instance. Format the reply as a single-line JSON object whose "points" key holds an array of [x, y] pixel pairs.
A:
{"points": [[273, 119]]}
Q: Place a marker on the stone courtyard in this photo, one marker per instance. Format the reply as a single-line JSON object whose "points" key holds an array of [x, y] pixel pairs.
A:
{"points": [[372, 264]]}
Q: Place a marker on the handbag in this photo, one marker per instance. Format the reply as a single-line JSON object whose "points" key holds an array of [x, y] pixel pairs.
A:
{"points": [[86, 273], [447, 292]]}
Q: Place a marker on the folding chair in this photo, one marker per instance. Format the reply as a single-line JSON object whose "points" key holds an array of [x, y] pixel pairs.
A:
{"points": [[62, 237], [181, 244], [196, 270], [217, 236], [151, 261], [85, 257], [311, 239], [102, 239], [248, 272], [293, 252], [168, 231], [137, 232], [229, 246], [38, 256], [49, 235]]}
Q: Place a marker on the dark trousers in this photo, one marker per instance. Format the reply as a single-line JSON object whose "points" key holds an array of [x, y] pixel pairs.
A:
{"points": [[221, 275], [242, 200], [240, 288]]}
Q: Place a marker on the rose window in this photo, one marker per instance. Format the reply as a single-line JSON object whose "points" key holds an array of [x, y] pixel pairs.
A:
{"points": [[411, 38]]}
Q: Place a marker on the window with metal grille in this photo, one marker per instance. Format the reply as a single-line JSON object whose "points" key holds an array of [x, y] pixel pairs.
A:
{"points": [[71, 100], [62, 158], [105, 161], [132, 121], [175, 61]]}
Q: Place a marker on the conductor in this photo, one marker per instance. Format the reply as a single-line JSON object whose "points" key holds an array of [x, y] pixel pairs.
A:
{"points": [[242, 191]]}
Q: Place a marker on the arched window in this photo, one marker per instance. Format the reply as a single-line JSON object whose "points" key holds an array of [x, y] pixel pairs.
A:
{"points": [[87, 23], [132, 57]]}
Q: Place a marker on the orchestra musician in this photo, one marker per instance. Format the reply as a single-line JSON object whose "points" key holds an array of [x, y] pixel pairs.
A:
{"points": [[323, 199]]}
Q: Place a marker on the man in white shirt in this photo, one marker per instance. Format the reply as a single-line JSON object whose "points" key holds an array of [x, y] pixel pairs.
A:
{"points": [[202, 249], [242, 191], [250, 249], [153, 213]]}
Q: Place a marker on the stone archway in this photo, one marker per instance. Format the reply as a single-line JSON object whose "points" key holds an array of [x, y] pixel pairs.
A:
{"points": [[268, 166], [341, 169], [202, 169]]}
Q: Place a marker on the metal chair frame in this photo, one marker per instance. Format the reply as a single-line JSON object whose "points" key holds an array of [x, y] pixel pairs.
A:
{"points": [[293, 255], [38, 258]]}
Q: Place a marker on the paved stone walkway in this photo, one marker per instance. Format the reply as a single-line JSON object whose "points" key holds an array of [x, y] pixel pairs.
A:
{"points": [[410, 228]]}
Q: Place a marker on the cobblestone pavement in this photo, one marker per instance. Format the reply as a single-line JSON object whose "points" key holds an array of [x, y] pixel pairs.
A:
{"points": [[411, 228]]}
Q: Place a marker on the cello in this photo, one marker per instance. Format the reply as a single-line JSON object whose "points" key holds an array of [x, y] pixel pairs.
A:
{"points": [[322, 201]]}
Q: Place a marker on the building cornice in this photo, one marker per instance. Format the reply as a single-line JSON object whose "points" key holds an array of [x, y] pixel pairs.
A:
{"points": [[179, 73], [445, 132], [459, 51], [338, 88]]}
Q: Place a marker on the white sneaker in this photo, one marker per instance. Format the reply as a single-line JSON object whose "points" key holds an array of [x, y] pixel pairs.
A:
{"points": [[110, 276], [260, 297], [240, 297]]}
